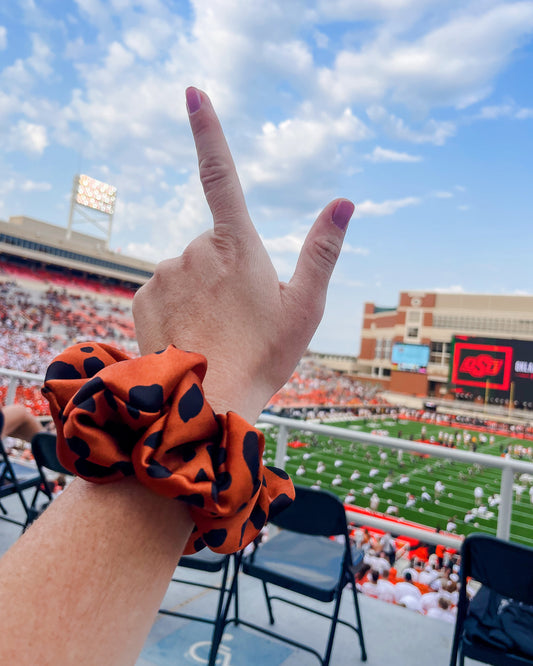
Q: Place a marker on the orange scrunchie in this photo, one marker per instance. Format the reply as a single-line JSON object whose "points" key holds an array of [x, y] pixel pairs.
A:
{"points": [[148, 417]]}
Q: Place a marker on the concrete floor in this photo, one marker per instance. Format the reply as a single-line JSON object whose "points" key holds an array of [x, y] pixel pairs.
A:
{"points": [[393, 635]]}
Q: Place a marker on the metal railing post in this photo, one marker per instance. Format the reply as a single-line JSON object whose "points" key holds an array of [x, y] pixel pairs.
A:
{"points": [[281, 448], [505, 508], [11, 391]]}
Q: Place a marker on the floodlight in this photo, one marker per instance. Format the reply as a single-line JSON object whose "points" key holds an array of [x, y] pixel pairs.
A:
{"points": [[100, 197], [95, 194]]}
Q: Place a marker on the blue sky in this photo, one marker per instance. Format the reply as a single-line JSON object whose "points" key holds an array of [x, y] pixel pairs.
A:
{"points": [[420, 111]]}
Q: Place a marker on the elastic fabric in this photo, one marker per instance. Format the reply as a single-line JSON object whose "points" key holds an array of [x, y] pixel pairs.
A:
{"points": [[147, 417]]}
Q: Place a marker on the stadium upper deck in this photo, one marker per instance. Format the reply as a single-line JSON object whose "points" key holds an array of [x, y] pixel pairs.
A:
{"points": [[27, 240]]}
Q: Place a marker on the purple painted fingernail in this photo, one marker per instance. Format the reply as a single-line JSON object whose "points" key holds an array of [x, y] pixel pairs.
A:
{"points": [[342, 214], [194, 100]]}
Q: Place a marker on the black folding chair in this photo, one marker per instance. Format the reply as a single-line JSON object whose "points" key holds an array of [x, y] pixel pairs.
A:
{"points": [[496, 625], [302, 558], [43, 447], [207, 560], [14, 480]]}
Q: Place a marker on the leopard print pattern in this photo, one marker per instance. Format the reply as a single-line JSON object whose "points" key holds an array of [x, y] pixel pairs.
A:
{"points": [[148, 417]]}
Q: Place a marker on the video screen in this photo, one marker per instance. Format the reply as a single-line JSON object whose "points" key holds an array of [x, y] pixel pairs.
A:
{"points": [[410, 358]]}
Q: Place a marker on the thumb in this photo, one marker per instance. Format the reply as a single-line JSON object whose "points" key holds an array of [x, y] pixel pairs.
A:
{"points": [[319, 255]]}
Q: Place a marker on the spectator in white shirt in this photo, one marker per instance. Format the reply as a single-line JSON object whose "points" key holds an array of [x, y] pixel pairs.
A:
{"points": [[385, 589]]}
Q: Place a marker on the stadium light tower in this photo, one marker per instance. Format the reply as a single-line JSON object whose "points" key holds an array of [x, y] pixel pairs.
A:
{"points": [[94, 201]]}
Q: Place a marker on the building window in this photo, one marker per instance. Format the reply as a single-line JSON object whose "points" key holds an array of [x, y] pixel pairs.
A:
{"points": [[412, 332]]}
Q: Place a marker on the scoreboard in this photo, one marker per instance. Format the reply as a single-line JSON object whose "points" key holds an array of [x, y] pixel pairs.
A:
{"points": [[502, 366]]}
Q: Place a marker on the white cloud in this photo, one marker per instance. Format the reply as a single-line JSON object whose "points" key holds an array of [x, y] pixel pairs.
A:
{"points": [[293, 242], [32, 186], [454, 63], [370, 208], [3, 38], [287, 150], [442, 194], [28, 137], [453, 289], [385, 155], [433, 131], [504, 111]]}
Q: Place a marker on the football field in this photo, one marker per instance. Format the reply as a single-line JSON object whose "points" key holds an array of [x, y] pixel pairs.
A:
{"points": [[459, 479]]}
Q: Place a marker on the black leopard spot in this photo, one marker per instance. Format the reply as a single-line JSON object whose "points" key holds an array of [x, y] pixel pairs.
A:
{"points": [[191, 403], [201, 476], [79, 446], [157, 471], [92, 365], [278, 504], [87, 350], [61, 370], [125, 437], [89, 469], [223, 481], [215, 538], [196, 499], [154, 440], [146, 398], [218, 455], [243, 530], [187, 451], [250, 452], [124, 467], [86, 392], [110, 399], [279, 472], [258, 517], [199, 545]]}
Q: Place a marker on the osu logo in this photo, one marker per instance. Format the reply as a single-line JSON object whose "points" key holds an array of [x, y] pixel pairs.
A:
{"points": [[482, 365]]}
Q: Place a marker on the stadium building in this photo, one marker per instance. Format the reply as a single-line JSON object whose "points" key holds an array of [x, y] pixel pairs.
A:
{"points": [[34, 246], [472, 346]]}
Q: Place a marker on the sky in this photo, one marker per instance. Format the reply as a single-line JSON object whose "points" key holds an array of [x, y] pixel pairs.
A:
{"points": [[419, 111]]}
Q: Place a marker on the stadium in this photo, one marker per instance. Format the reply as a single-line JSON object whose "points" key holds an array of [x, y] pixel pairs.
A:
{"points": [[57, 290], [381, 433]]}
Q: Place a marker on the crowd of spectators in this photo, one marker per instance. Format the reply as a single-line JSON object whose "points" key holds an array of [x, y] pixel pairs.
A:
{"points": [[37, 323], [313, 384], [413, 575]]}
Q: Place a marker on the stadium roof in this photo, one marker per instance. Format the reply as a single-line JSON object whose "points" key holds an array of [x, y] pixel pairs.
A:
{"points": [[40, 241]]}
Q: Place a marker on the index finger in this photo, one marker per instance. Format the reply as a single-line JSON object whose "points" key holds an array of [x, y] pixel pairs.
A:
{"points": [[217, 170]]}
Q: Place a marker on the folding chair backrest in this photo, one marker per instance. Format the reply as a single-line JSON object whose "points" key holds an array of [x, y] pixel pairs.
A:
{"points": [[43, 447], [315, 512], [502, 566]]}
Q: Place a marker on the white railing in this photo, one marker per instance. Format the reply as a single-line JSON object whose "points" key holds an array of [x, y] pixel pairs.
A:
{"points": [[13, 377], [508, 466]]}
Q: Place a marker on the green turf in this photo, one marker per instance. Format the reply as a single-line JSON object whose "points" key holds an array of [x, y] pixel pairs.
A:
{"points": [[460, 479]]}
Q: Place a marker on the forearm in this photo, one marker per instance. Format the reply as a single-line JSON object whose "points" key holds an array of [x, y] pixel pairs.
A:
{"points": [[84, 584]]}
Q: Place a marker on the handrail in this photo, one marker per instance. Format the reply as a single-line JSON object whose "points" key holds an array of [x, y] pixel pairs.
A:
{"points": [[508, 466], [13, 376]]}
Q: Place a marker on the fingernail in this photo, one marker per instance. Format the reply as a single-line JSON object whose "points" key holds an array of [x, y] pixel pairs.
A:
{"points": [[342, 214], [194, 100]]}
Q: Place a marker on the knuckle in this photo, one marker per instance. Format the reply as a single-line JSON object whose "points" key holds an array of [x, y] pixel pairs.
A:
{"points": [[325, 252], [213, 171]]}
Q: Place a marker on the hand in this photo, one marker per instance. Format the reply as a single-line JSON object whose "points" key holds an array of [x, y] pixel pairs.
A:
{"points": [[222, 297]]}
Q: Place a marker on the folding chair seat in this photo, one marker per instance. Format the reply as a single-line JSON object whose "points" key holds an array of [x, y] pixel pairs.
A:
{"points": [[303, 558], [207, 560], [43, 447], [14, 480], [496, 625]]}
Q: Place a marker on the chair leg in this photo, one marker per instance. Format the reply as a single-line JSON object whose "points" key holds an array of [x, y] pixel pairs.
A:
{"points": [[223, 608], [359, 623], [268, 603], [332, 629]]}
